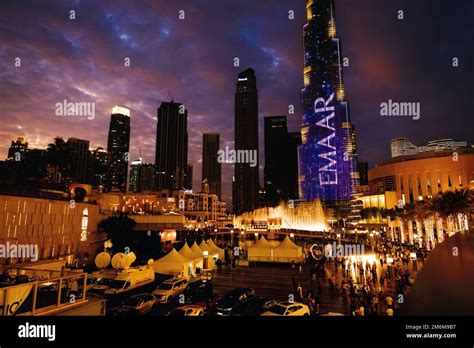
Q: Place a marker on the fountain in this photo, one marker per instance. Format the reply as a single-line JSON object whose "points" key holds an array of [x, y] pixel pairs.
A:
{"points": [[301, 215]]}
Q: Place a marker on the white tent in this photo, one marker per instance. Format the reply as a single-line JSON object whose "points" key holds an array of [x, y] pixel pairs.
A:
{"points": [[174, 264], [262, 251], [287, 251], [215, 248], [189, 254]]}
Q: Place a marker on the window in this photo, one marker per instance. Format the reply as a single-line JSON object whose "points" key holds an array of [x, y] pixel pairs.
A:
{"points": [[85, 222]]}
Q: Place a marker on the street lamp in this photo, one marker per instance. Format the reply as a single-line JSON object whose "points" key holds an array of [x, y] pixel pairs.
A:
{"points": [[292, 235]]}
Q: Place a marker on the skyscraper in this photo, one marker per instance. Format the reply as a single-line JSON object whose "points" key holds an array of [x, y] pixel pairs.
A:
{"points": [[327, 155], [78, 151], [246, 178], [172, 146], [118, 148], [98, 165], [294, 141], [276, 156], [142, 176], [211, 168]]}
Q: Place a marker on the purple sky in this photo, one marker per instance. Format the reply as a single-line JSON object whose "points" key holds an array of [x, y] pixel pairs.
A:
{"points": [[81, 60]]}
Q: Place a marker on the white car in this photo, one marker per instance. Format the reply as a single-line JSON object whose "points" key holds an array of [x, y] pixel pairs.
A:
{"points": [[287, 309], [170, 289]]}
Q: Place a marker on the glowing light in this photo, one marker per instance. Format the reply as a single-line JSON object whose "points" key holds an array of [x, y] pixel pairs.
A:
{"points": [[121, 110]]}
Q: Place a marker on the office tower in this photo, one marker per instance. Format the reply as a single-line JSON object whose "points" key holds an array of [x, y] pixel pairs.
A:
{"points": [[134, 173], [326, 159], [211, 168], [172, 147], [98, 168], [246, 185], [363, 173], [188, 177], [294, 141], [18, 150], [118, 149], [141, 176], [78, 152], [276, 157]]}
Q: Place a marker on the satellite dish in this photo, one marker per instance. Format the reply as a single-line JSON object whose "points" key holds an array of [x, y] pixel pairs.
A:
{"points": [[118, 260], [102, 260]]}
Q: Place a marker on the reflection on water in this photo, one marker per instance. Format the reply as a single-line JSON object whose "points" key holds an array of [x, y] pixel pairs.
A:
{"points": [[306, 216]]}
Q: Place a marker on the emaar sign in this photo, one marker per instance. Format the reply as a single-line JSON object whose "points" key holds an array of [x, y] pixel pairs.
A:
{"points": [[325, 109]]}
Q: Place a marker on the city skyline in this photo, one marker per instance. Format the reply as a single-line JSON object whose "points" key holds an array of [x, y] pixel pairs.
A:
{"points": [[81, 63]]}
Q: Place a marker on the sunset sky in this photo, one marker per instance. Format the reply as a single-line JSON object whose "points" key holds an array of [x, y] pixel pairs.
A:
{"points": [[82, 60]]}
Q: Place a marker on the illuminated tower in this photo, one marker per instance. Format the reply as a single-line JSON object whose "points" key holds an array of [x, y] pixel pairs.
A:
{"points": [[327, 156], [118, 148]]}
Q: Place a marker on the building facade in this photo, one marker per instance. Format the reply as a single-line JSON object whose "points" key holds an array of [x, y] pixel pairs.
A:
{"points": [[424, 175], [78, 151], [18, 150], [404, 147], [211, 168], [171, 157], [118, 145], [246, 177], [327, 156]]}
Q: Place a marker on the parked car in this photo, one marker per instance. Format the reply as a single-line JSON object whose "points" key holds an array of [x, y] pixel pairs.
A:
{"points": [[232, 300], [136, 304], [255, 306], [187, 311], [287, 309], [198, 290], [170, 289], [210, 303]]}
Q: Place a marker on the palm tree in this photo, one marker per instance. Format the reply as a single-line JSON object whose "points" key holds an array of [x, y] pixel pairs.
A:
{"points": [[119, 229]]}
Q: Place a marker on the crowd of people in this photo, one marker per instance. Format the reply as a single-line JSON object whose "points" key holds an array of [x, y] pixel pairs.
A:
{"points": [[366, 287]]}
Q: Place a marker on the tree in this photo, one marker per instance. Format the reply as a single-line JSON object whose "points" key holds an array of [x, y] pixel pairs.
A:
{"points": [[119, 228]]}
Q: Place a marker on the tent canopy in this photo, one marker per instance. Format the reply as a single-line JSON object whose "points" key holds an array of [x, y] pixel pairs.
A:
{"points": [[196, 249], [172, 257], [263, 243], [188, 253], [213, 246], [287, 243]]}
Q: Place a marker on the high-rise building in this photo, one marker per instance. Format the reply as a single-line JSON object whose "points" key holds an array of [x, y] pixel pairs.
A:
{"points": [[276, 157], [118, 148], [363, 173], [18, 150], [246, 177], [327, 155], [211, 168], [98, 168], [294, 141], [142, 176], [78, 151], [188, 177], [172, 146]]}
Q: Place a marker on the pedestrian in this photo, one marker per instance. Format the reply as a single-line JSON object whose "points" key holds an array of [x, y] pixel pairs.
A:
{"points": [[299, 292]]}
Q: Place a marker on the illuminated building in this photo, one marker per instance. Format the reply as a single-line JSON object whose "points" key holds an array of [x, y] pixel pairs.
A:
{"points": [[98, 168], [171, 159], [118, 148], [327, 156], [424, 175], [403, 147], [142, 176], [246, 178]]}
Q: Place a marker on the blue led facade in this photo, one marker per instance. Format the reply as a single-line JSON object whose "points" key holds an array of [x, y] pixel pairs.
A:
{"points": [[327, 156]]}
